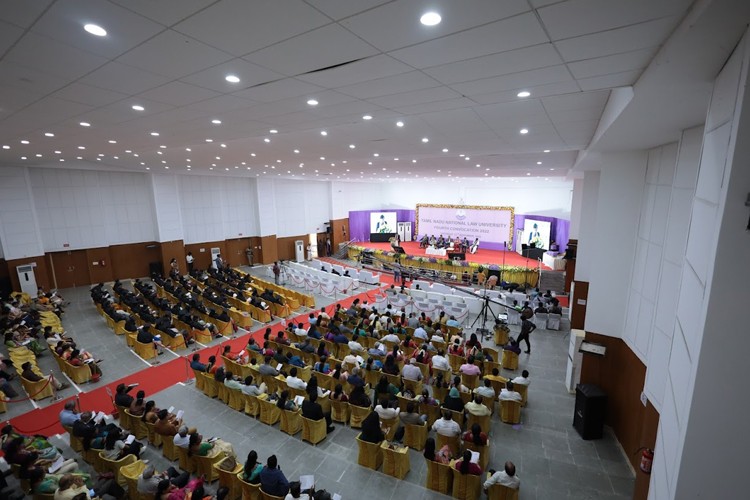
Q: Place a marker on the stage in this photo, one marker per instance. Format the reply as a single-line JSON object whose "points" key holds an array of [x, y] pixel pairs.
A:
{"points": [[483, 257]]}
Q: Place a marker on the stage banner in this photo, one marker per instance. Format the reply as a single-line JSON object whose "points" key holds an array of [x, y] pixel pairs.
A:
{"points": [[492, 225]]}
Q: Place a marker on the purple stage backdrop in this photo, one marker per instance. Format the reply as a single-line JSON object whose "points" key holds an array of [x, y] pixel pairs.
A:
{"points": [[359, 222], [559, 229]]}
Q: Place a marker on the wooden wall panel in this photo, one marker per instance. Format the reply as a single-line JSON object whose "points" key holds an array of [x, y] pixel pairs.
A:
{"points": [[578, 309], [132, 260], [621, 374], [339, 232], [99, 273], [285, 246], [256, 245], [41, 272], [173, 250], [203, 258], [5, 285], [269, 250]]}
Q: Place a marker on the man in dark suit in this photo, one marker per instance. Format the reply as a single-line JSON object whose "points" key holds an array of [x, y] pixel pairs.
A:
{"points": [[312, 410]]}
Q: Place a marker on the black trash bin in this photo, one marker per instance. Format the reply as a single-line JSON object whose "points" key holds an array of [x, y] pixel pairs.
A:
{"points": [[591, 406]]}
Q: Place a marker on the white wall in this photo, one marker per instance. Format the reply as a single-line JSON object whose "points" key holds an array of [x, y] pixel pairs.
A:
{"points": [[351, 196], [167, 207], [576, 208], [19, 231], [701, 442], [301, 207], [587, 232], [608, 245]]}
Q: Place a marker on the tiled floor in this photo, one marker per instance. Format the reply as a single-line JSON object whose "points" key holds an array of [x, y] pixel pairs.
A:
{"points": [[551, 459]]}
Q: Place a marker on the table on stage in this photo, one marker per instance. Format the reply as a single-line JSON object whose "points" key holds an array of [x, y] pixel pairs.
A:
{"points": [[430, 250], [553, 260]]}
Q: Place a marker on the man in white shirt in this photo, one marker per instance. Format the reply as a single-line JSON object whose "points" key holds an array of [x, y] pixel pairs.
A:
{"points": [[386, 410], [412, 371], [294, 382], [440, 361], [355, 346], [438, 337], [505, 477], [352, 360], [300, 331], [182, 438], [420, 333], [508, 394], [413, 322], [446, 426], [523, 379], [486, 390], [391, 337]]}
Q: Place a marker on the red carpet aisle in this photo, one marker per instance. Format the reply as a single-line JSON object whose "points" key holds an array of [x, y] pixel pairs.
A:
{"points": [[45, 420]]}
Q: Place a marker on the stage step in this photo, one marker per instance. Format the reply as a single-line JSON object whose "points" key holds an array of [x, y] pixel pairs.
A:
{"points": [[552, 280]]}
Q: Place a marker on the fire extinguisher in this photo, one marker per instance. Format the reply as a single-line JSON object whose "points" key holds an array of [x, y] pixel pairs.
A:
{"points": [[647, 458]]}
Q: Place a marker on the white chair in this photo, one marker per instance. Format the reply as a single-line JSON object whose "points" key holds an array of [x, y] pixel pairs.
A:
{"points": [[540, 320], [553, 321]]}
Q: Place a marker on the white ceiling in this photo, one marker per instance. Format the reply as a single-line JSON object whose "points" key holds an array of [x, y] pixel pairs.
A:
{"points": [[455, 84]]}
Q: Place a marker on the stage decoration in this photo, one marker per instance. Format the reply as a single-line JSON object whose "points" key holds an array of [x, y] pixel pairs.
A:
{"points": [[466, 226]]}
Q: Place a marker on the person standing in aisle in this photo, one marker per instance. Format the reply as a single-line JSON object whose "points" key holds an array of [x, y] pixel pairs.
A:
{"points": [[526, 328], [189, 259]]}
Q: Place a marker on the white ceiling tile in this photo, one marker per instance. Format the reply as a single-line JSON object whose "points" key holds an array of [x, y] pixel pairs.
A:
{"points": [[580, 17], [166, 12], [610, 81], [56, 58], [405, 82], [456, 121], [429, 107], [57, 110], [361, 71], [287, 88], [249, 74], [9, 34], [221, 104], [86, 94], [22, 13], [523, 80], [515, 115], [512, 61], [415, 97], [637, 59], [173, 55], [508, 34], [339, 9], [541, 3], [64, 22], [579, 100], [122, 78], [320, 48], [241, 27], [346, 108], [536, 91], [177, 94], [29, 78], [639, 36], [396, 24]]}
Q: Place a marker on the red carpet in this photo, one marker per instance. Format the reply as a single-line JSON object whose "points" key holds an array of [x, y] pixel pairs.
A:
{"points": [[498, 257], [45, 420]]}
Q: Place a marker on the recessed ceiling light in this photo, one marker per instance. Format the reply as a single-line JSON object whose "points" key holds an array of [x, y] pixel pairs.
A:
{"points": [[524, 131], [376, 155], [538, 163], [467, 158], [81, 147], [430, 19], [352, 146], [524, 93], [62, 159], [478, 165], [273, 131], [266, 140], [296, 151], [38, 155], [49, 134], [79, 157], [5, 146], [552, 169], [414, 161], [216, 122], [188, 159], [425, 139], [322, 157], [138, 107], [546, 150], [209, 140], [116, 157], [85, 124], [218, 157], [252, 154], [163, 146], [312, 102], [188, 149], [445, 150], [134, 154], [528, 173], [23, 157], [367, 117], [112, 142], [24, 141], [395, 159], [159, 152], [278, 161], [399, 124], [95, 29], [232, 79], [155, 134], [323, 133], [223, 145]]}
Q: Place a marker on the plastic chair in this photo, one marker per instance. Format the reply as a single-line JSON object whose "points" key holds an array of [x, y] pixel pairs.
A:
{"points": [[145, 351], [37, 390], [236, 401], [249, 491], [267, 496], [291, 422], [252, 406], [75, 442], [415, 436], [229, 479], [130, 473], [553, 321], [470, 381], [313, 431], [114, 466], [395, 460], [223, 392], [510, 411], [153, 437], [523, 390], [137, 426], [501, 492], [391, 424], [168, 449], [339, 411], [269, 412], [370, 454], [439, 477], [510, 360], [204, 465], [483, 421], [483, 450], [466, 486], [453, 442], [210, 386], [78, 374], [357, 415]]}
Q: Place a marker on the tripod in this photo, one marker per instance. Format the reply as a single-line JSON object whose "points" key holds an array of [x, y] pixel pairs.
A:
{"points": [[483, 314]]}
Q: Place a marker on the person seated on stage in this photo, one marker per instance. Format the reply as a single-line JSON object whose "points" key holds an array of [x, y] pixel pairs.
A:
{"points": [[505, 477], [508, 394], [457, 244], [424, 242], [433, 240], [465, 244], [441, 242]]}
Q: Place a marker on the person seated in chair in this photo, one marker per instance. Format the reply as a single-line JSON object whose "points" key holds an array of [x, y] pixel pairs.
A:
{"points": [[424, 242], [508, 394], [523, 379], [312, 410], [505, 477], [476, 407], [555, 308]]}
